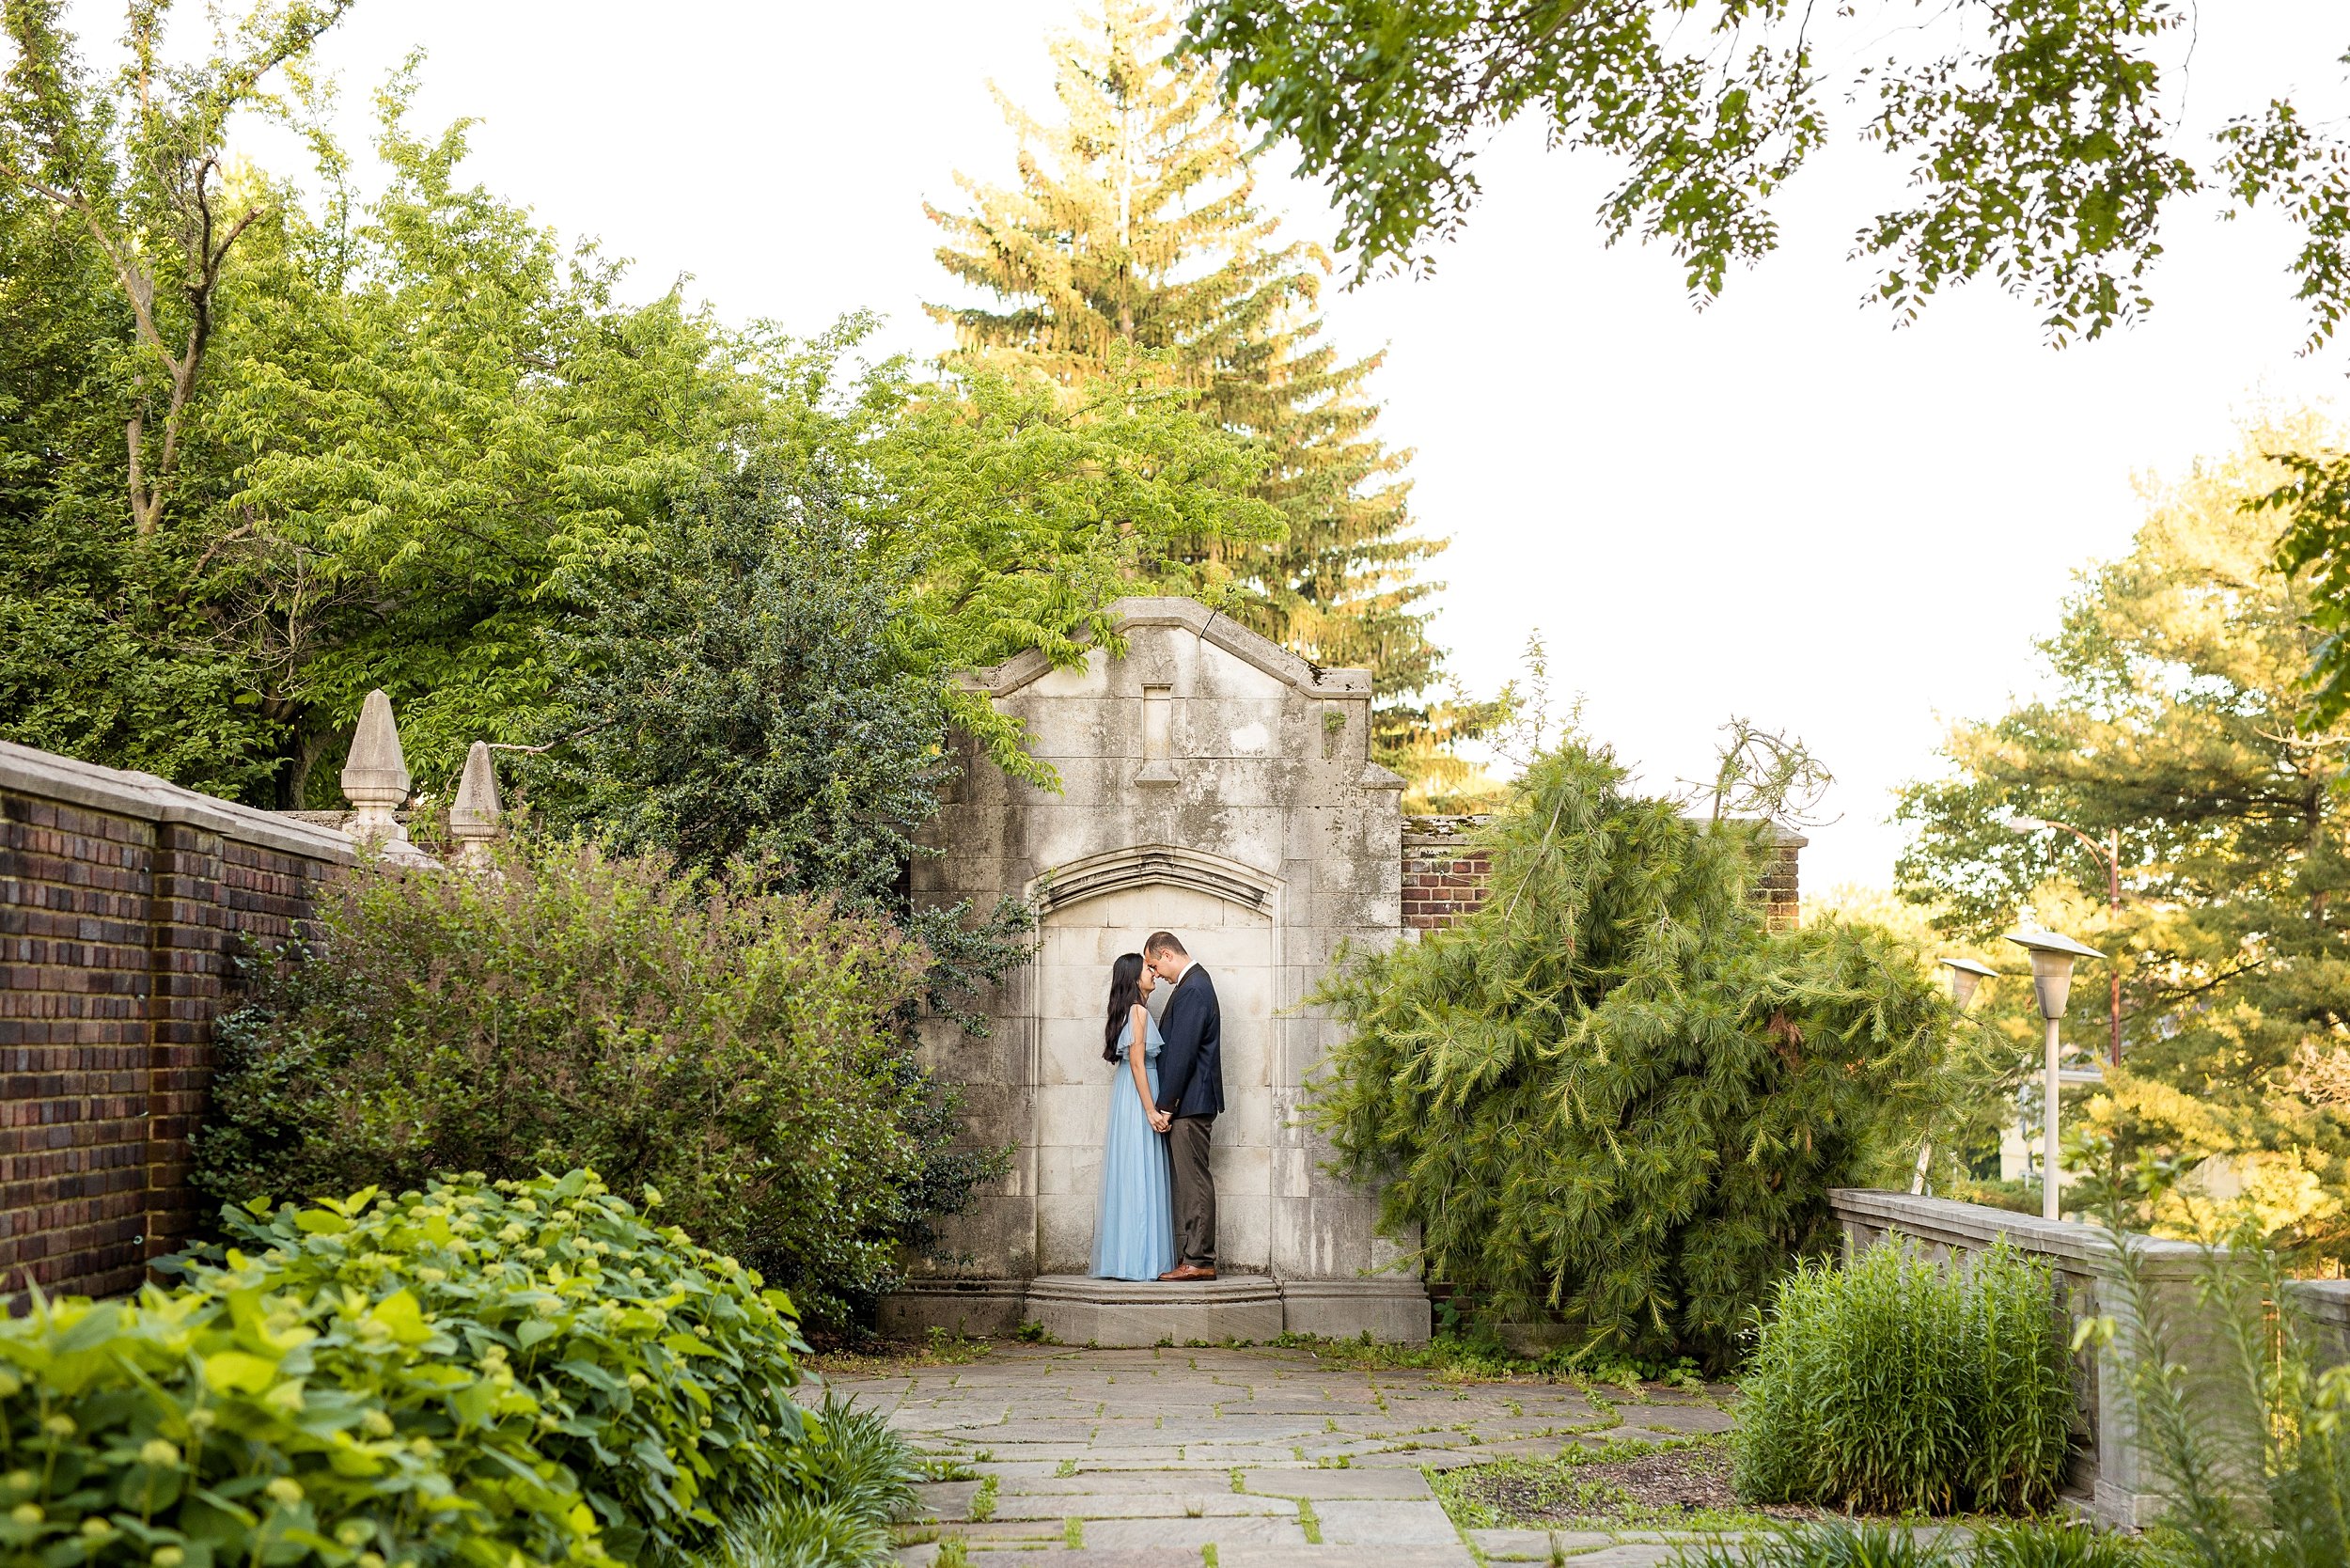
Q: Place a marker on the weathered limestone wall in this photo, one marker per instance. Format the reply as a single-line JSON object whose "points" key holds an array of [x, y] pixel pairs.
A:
{"points": [[122, 900], [1220, 787]]}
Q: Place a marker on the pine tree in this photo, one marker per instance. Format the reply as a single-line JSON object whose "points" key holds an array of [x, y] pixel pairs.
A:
{"points": [[1611, 1092], [1134, 222]]}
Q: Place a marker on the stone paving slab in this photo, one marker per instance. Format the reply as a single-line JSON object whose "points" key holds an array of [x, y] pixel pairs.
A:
{"points": [[1158, 1453], [1535, 1545], [1357, 1522], [1318, 1484], [1167, 1504]]}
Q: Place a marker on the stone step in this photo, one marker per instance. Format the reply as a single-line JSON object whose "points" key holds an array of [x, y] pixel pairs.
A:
{"points": [[1078, 1309]]}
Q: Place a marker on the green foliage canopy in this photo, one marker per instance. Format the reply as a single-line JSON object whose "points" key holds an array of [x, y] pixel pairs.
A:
{"points": [[1134, 227], [1612, 1094], [2042, 144], [2174, 720]]}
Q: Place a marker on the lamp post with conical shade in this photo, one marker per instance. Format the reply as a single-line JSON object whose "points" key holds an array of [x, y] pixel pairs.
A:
{"points": [[1965, 975], [2052, 958]]}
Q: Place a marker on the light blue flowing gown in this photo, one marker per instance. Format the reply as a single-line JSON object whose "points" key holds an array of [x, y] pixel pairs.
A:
{"points": [[1133, 1228]]}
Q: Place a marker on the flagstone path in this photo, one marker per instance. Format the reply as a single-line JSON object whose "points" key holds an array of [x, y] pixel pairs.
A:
{"points": [[1242, 1458]]}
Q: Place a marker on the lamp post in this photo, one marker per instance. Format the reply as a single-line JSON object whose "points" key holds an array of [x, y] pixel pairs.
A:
{"points": [[2110, 852], [2052, 958], [1965, 975]]}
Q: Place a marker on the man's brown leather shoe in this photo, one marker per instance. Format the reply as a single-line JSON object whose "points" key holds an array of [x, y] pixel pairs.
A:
{"points": [[1182, 1272]]}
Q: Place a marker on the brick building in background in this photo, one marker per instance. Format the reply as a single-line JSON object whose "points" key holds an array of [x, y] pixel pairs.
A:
{"points": [[1446, 875]]}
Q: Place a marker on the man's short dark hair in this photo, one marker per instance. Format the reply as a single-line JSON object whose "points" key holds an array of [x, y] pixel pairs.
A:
{"points": [[1164, 942]]}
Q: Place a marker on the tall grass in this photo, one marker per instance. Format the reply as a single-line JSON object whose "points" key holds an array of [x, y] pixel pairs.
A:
{"points": [[861, 1483], [1844, 1544], [2249, 1438], [1902, 1384]]}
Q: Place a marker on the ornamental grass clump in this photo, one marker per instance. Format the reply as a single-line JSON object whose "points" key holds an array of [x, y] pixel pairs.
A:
{"points": [[1902, 1384]]}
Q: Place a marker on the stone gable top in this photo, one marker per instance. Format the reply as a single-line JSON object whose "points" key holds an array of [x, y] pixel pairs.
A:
{"points": [[1212, 627]]}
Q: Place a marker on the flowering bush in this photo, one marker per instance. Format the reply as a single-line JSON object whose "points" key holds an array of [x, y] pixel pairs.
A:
{"points": [[470, 1371]]}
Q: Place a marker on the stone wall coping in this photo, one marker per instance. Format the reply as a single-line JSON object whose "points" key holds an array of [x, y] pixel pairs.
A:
{"points": [[1951, 1223], [2326, 1301], [147, 798], [1212, 627]]}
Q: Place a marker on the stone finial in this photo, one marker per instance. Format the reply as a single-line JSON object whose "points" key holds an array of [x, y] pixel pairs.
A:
{"points": [[473, 819], [375, 777]]}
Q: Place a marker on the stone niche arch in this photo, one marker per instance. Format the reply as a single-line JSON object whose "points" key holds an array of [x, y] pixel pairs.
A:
{"points": [[1212, 783], [1228, 918]]}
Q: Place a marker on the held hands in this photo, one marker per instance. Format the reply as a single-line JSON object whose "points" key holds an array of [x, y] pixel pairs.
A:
{"points": [[1160, 1121]]}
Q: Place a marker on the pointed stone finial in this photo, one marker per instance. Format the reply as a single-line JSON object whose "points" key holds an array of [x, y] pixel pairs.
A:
{"points": [[375, 777], [472, 817]]}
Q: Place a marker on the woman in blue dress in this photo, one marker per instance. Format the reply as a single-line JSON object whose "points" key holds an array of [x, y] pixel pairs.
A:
{"points": [[1133, 1229]]}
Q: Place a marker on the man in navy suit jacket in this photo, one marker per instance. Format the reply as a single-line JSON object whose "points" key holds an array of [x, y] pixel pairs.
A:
{"points": [[1191, 1093]]}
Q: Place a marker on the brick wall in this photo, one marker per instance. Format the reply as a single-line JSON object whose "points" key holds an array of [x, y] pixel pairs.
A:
{"points": [[122, 902], [1444, 877]]}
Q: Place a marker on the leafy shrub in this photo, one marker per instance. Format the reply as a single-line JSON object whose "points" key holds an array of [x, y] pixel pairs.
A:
{"points": [[742, 1054], [179, 1432], [656, 1373], [466, 1372], [1610, 1092], [1903, 1383]]}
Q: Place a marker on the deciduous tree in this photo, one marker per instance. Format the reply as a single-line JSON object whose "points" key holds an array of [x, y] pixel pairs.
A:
{"points": [[2043, 136], [2172, 720]]}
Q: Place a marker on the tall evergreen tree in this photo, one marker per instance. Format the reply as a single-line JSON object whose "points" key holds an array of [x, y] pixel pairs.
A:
{"points": [[1134, 222]]}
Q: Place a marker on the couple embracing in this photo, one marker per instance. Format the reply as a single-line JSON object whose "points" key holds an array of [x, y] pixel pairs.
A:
{"points": [[1157, 1214]]}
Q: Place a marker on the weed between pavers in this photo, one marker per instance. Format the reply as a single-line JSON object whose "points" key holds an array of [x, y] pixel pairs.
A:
{"points": [[1307, 1521], [1072, 1531], [983, 1501]]}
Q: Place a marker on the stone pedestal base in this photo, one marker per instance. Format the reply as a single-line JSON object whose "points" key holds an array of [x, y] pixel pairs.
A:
{"points": [[1078, 1309]]}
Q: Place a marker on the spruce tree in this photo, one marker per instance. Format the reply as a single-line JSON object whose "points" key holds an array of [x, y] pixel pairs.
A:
{"points": [[1134, 222]]}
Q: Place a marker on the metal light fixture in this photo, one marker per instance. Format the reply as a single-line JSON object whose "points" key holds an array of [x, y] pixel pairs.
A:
{"points": [[2052, 958], [2110, 855], [1965, 975]]}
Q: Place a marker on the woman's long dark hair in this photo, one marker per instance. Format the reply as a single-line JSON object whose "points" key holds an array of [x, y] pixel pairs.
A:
{"points": [[1125, 991]]}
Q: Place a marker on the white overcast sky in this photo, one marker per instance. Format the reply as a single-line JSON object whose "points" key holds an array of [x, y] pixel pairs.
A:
{"points": [[1780, 507]]}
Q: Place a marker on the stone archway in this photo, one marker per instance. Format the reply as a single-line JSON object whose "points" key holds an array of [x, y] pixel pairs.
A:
{"points": [[1093, 911]]}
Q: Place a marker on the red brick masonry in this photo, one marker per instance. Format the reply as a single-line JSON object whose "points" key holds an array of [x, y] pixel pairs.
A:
{"points": [[1443, 878], [122, 902]]}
